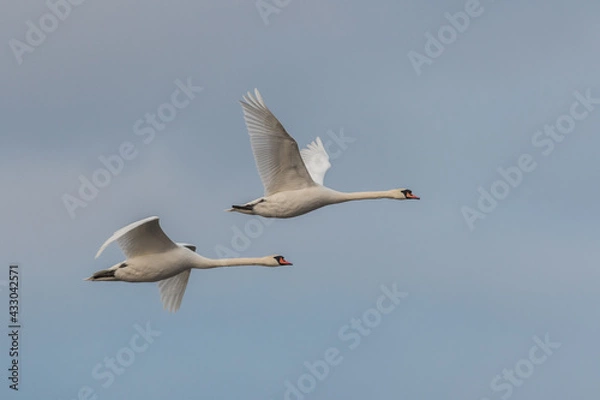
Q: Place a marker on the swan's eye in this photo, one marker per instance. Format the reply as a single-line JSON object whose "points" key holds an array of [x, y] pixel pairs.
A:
{"points": [[123, 265]]}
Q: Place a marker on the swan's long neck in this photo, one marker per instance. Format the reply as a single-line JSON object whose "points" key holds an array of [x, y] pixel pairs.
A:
{"points": [[341, 197], [237, 262]]}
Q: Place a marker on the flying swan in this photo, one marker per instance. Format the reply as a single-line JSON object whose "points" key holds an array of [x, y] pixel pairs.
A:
{"points": [[153, 257], [292, 179]]}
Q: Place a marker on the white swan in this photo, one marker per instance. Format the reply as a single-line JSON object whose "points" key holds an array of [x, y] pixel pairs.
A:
{"points": [[293, 179], [153, 257]]}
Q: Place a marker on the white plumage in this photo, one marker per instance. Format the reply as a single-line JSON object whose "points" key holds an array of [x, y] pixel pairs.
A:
{"points": [[139, 238], [276, 153], [153, 257], [316, 160], [292, 179]]}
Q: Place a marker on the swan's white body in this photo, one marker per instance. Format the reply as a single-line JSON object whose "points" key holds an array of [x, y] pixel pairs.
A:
{"points": [[293, 179], [153, 257], [293, 203]]}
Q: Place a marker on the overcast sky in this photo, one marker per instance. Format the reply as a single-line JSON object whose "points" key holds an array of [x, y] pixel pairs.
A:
{"points": [[480, 289]]}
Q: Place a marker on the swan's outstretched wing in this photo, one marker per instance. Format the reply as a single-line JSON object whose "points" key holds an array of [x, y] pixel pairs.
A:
{"points": [[276, 153], [172, 290], [316, 159], [140, 238]]}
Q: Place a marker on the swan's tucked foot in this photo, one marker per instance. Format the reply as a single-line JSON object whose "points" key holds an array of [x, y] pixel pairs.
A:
{"points": [[104, 275], [247, 207]]}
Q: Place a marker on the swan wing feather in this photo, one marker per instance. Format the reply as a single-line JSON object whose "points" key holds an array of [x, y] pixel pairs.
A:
{"points": [[172, 290], [276, 153], [316, 159], [140, 238]]}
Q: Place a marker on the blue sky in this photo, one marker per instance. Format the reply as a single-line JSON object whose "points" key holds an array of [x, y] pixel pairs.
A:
{"points": [[476, 297]]}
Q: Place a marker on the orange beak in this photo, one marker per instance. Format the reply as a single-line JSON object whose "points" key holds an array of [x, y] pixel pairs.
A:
{"points": [[283, 261], [412, 196]]}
